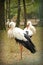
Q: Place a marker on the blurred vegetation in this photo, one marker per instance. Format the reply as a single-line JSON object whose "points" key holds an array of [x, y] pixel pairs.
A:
{"points": [[32, 8]]}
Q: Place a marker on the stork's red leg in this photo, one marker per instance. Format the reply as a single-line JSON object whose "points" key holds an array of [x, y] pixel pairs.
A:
{"points": [[21, 48]]}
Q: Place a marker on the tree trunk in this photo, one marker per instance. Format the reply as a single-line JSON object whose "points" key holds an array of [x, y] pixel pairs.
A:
{"points": [[24, 5], [2, 15], [41, 13], [18, 16], [9, 9], [2, 26], [7, 12]]}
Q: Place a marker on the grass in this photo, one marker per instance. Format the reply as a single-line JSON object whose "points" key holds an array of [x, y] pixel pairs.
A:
{"points": [[10, 52]]}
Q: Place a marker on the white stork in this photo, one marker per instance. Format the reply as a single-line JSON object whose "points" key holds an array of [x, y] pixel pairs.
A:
{"points": [[21, 37], [30, 29]]}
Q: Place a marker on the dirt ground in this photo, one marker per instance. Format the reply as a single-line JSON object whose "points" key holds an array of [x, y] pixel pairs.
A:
{"points": [[10, 51]]}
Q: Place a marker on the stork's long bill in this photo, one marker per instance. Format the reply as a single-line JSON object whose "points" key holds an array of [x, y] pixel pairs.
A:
{"points": [[20, 36]]}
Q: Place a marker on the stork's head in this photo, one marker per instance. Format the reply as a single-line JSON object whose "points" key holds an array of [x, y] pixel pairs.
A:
{"points": [[12, 24], [29, 23]]}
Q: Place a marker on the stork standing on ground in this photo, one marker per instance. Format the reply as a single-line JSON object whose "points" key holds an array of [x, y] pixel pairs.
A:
{"points": [[20, 36]]}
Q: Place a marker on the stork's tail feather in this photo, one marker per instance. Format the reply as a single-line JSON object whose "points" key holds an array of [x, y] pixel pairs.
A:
{"points": [[27, 45], [30, 47], [28, 38]]}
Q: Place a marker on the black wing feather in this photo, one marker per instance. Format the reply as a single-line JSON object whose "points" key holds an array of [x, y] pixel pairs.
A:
{"points": [[28, 38], [27, 45]]}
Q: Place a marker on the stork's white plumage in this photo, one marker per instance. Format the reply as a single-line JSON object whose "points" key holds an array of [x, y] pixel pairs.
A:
{"points": [[21, 37], [30, 29]]}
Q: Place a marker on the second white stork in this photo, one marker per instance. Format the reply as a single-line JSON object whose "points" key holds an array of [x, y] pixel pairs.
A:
{"points": [[30, 29]]}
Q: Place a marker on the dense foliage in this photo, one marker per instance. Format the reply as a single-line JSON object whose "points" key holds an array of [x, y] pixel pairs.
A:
{"points": [[32, 8]]}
